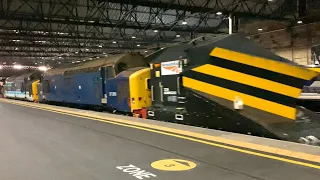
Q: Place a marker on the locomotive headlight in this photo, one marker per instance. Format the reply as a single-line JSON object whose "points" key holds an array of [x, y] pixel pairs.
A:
{"points": [[238, 103]]}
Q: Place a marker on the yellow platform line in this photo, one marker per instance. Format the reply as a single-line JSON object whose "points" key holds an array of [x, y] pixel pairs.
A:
{"points": [[183, 135]]}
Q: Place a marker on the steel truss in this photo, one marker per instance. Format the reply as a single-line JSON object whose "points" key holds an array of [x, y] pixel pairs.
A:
{"points": [[48, 29]]}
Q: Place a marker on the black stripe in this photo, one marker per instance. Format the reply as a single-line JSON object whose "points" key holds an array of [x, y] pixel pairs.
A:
{"points": [[258, 72], [253, 91]]}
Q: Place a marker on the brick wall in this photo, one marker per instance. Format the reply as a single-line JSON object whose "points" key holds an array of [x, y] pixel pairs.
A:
{"points": [[294, 44], [301, 55]]}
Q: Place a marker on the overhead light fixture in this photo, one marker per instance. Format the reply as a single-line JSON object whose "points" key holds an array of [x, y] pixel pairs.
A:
{"points": [[184, 22], [178, 35], [260, 29], [14, 63], [77, 61], [155, 31], [100, 46], [98, 57], [114, 42], [4, 63], [91, 21], [76, 52], [60, 57], [138, 45], [42, 68], [300, 22], [16, 49], [73, 62], [270, 0], [145, 51], [35, 63], [133, 37], [87, 49], [219, 13], [16, 40], [59, 62], [17, 66], [90, 58]]}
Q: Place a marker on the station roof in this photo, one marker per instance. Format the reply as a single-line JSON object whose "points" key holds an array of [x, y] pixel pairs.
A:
{"points": [[54, 32]]}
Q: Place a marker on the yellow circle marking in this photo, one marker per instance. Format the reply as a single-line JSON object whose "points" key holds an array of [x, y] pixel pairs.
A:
{"points": [[173, 165]]}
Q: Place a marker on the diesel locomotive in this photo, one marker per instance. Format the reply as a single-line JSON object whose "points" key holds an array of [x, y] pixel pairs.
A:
{"points": [[228, 83], [114, 83], [23, 87]]}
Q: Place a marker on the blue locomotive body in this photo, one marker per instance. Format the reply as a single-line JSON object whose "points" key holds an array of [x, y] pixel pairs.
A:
{"points": [[98, 83], [82, 88]]}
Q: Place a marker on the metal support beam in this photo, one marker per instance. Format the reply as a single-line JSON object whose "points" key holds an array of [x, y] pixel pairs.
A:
{"points": [[54, 37], [59, 46], [189, 5], [102, 24]]}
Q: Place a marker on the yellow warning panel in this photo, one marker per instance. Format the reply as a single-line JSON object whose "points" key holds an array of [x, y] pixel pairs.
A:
{"points": [[173, 165]]}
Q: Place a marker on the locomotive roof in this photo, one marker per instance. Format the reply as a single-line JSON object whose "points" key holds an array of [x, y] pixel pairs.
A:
{"points": [[21, 76], [171, 53], [90, 64], [197, 52], [11, 78], [180, 51]]}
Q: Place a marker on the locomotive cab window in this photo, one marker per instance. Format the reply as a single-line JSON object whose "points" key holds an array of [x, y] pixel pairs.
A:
{"points": [[147, 84], [121, 67]]}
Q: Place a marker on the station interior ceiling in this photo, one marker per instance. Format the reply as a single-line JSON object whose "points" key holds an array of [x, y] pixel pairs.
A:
{"points": [[57, 32]]}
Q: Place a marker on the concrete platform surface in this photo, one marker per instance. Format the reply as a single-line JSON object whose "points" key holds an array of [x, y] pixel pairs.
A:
{"points": [[38, 144], [294, 150]]}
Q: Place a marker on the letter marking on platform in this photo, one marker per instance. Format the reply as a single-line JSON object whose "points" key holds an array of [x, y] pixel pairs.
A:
{"points": [[136, 172]]}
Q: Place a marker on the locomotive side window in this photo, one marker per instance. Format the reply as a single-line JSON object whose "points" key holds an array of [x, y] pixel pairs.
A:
{"points": [[148, 85], [46, 86], [67, 81], [96, 80], [22, 87], [109, 72]]}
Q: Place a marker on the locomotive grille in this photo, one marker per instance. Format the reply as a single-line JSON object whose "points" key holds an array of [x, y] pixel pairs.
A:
{"points": [[122, 90]]}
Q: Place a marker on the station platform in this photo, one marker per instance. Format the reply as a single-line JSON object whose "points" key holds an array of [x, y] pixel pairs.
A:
{"points": [[39, 141]]}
